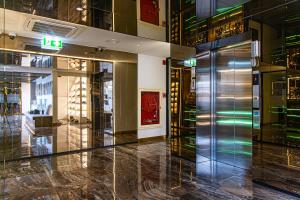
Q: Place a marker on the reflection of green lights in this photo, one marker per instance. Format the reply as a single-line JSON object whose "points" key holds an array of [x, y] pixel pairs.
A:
{"points": [[221, 10], [293, 136], [278, 107], [276, 124], [293, 109], [293, 129], [190, 120], [244, 113], [190, 146], [235, 122], [256, 125], [294, 116], [235, 142], [246, 153], [292, 43], [292, 19], [190, 111]]}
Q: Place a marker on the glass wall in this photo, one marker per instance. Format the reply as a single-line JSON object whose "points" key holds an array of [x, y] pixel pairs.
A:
{"points": [[99, 14], [56, 95], [277, 27]]}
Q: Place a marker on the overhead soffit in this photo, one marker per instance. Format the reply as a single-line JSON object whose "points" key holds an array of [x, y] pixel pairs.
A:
{"points": [[86, 36]]}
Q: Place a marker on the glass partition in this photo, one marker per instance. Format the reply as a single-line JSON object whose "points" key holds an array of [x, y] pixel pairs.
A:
{"points": [[57, 95], [53, 104], [111, 15]]}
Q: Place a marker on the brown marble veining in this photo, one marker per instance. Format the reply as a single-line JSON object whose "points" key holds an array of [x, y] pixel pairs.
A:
{"points": [[133, 171]]}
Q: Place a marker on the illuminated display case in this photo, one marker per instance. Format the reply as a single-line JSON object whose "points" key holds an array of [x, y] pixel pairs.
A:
{"points": [[226, 24], [293, 94], [186, 29], [78, 101], [175, 99], [183, 101]]}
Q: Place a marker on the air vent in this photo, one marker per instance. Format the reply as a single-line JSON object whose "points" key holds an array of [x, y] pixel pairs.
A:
{"points": [[49, 28]]}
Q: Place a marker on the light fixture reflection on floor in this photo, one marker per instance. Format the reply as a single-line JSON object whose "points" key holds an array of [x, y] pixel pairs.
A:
{"points": [[80, 9]]}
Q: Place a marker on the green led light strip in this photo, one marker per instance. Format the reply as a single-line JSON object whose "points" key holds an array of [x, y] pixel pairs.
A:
{"points": [[292, 36], [228, 11], [188, 19], [293, 43]]}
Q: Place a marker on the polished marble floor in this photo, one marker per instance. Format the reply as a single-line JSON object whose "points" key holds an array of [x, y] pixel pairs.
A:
{"points": [[277, 166], [18, 140], [133, 171]]}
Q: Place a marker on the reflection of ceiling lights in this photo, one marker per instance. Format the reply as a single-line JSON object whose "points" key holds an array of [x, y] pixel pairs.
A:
{"points": [[80, 9], [113, 41]]}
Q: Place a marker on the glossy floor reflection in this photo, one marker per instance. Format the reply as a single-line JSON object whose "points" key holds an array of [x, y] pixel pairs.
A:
{"points": [[277, 166], [18, 140], [184, 147], [133, 171]]}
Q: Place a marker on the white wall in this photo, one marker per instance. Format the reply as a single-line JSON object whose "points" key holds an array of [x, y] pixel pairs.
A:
{"points": [[152, 31], [47, 97], [152, 76], [25, 88]]}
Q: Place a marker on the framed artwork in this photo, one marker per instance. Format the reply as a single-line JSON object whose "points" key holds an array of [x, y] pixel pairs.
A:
{"points": [[150, 108], [150, 11]]}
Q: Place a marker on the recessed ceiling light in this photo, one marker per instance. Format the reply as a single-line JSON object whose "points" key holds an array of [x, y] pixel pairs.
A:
{"points": [[79, 9]]}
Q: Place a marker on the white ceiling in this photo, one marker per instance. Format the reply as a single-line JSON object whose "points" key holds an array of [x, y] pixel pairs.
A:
{"points": [[86, 36]]}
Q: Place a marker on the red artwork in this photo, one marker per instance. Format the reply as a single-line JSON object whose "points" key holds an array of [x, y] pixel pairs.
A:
{"points": [[150, 108], [150, 11]]}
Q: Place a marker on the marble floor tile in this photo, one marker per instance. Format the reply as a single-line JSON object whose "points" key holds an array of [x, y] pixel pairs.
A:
{"points": [[133, 171]]}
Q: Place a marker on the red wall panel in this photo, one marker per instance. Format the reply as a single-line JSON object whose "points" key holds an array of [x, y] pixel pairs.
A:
{"points": [[150, 11], [150, 108]]}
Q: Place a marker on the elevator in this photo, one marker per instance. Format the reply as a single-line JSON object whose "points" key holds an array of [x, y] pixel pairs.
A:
{"points": [[224, 104]]}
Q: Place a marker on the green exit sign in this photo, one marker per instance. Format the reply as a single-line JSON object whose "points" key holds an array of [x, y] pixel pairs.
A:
{"points": [[51, 43], [190, 62]]}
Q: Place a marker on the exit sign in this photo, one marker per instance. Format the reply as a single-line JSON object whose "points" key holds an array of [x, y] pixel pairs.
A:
{"points": [[51, 43]]}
